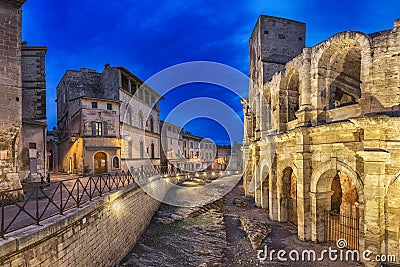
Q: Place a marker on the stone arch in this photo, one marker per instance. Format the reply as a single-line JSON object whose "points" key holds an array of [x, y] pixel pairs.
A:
{"points": [[322, 179], [100, 162], [128, 116], [287, 195], [293, 93], [342, 69], [335, 164], [141, 124]]}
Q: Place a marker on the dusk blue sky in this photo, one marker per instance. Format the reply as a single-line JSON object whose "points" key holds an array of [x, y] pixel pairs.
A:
{"points": [[148, 36]]}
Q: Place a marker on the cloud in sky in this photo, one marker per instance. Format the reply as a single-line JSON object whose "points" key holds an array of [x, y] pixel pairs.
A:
{"points": [[148, 36]]}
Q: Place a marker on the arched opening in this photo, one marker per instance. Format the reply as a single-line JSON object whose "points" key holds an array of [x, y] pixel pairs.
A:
{"points": [[128, 116], [293, 95], [100, 163], [141, 120], [289, 196], [116, 162], [339, 73], [337, 215]]}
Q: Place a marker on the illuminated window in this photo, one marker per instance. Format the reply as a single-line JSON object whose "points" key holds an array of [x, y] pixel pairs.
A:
{"points": [[99, 129]]}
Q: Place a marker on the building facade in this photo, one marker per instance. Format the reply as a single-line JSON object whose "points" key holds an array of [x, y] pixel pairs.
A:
{"points": [[32, 146], [171, 145], [198, 152], [322, 128], [23, 110], [139, 120], [104, 126]]}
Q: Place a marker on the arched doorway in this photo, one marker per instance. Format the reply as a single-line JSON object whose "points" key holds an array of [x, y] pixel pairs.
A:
{"points": [[336, 208], [100, 163], [289, 196]]}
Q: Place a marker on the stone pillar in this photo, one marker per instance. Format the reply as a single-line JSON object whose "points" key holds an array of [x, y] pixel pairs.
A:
{"points": [[257, 178], [265, 193], [273, 198], [320, 203], [374, 194], [305, 80], [303, 174], [258, 190]]}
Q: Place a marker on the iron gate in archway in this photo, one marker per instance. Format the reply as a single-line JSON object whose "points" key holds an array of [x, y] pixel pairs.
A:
{"points": [[341, 226]]}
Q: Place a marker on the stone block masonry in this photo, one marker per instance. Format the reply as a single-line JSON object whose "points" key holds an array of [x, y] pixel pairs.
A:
{"points": [[94, 235], [10, 84]]}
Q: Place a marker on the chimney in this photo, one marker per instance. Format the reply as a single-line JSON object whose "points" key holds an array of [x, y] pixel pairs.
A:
{"points": [[107, 66]]}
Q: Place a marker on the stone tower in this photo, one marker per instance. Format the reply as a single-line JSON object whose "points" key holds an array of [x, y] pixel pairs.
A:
{"points": [[273, 43], [10, 86], [32, 145]]}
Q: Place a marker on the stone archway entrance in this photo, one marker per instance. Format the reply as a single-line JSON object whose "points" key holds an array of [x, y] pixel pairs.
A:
{"points": [[342, 220], [100, 163], [289, 196], [334, 206]]}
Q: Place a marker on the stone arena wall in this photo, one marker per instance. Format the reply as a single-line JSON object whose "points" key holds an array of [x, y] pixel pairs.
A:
{"points": [[93, 235]]}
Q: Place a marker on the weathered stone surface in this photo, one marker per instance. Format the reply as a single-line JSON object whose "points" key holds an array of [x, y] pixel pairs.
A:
{"points": [[240, 203], [330, 113], [256, 230], [198, 240]]}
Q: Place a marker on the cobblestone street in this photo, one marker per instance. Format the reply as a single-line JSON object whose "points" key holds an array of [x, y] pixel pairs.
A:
{"points": [[213, 235]]}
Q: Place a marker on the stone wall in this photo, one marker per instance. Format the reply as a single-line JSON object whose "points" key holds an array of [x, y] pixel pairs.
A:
{"points": [[10, 84], [335, 113], [94, 235]]}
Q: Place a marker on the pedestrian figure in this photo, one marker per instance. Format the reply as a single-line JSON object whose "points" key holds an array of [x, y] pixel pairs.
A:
{"points": [[41, 180], [48, 178]]}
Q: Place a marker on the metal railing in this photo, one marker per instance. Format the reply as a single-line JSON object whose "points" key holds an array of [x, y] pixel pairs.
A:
{"points": [[43, 201], [341, 226]]}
